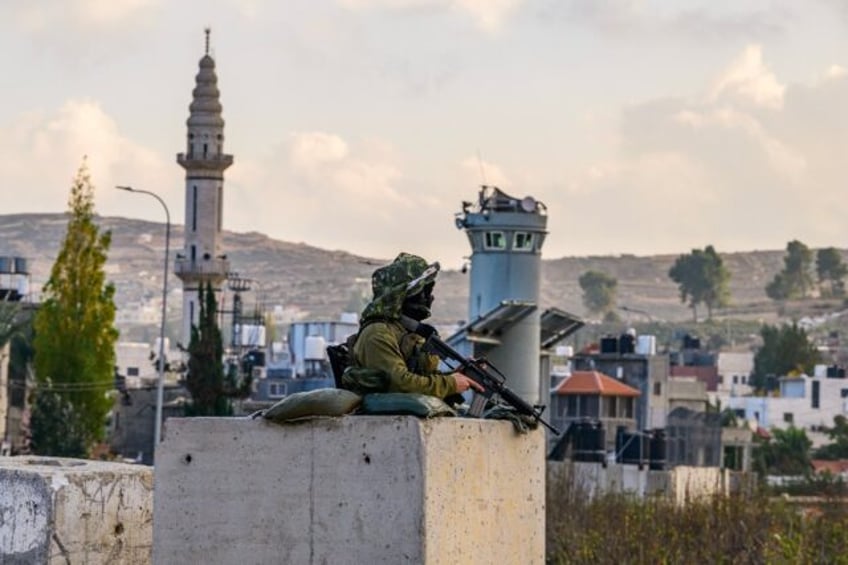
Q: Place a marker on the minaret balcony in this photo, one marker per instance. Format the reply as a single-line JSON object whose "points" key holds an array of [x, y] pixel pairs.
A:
{"points": [[212, 162], [201, 269]]}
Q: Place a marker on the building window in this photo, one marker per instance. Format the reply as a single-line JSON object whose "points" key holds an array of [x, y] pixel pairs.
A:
{"points": [[814, 401], [744, 379], [523, 241], [132, 371], [736, 379], [657, 389], [788, 417], [844, 393], [276, 390], [494, 240]]}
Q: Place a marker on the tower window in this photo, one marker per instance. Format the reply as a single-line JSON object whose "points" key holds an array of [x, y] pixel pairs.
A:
{"points": [[523, 241], [494, 240], [194, 208], [205, 149]]}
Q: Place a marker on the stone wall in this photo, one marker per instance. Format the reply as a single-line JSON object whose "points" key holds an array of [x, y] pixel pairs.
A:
{"points": [[73, 511]]}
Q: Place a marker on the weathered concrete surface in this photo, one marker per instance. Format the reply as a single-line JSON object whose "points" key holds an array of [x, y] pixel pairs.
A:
{"points": [[359, 489], [56, 510]]}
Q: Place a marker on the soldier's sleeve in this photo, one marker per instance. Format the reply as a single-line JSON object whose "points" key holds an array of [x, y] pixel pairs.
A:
{"points": [[380, 350]]}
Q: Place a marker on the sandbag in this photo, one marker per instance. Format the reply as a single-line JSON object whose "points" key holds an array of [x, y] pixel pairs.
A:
{"points": [[401, 403], [319, 402]]}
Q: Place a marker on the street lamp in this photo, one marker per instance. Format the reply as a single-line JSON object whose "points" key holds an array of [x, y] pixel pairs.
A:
{"points": [[160, 385]]}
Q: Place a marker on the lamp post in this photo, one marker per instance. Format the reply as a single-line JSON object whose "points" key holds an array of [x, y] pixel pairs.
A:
{"points": [[160, 384]]}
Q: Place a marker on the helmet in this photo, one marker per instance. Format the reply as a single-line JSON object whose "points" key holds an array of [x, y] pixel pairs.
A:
{"points": [[404, 278]]}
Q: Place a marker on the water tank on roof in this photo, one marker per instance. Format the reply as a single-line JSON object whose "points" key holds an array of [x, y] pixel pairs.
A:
{"points": [[21, 265], [627, 343], [646, 345], [589, 442], [609, 344], [691, 342], [315, 348]]}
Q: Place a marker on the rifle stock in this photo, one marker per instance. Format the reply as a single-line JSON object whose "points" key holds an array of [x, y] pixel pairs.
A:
{"points": [[492, 381]]}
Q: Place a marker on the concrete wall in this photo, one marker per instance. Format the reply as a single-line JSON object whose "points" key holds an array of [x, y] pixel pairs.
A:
{"points": [[73, 511], [681, 484], [358, 489]]}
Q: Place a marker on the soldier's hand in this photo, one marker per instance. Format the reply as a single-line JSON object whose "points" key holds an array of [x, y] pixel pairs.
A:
{"points": [[464, 383]]}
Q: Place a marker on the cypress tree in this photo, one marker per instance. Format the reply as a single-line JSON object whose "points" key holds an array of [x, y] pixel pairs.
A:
{"points": [[210, 388]]}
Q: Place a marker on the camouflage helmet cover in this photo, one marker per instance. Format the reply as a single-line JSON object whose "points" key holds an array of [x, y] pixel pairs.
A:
{"points": [[406, 276]]}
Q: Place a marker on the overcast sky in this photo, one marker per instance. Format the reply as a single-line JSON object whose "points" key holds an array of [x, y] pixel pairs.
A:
{"points": [[646, 127]]}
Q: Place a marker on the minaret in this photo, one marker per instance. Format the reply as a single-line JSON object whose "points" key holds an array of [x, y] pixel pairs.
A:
{"points": [[204, 162]]}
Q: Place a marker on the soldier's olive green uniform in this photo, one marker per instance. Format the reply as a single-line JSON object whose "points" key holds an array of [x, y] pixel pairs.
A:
{"points": [[385, 345]]}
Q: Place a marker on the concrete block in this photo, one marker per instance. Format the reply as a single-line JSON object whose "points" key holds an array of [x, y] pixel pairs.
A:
{"points": [[358, 489], [56, 510]]}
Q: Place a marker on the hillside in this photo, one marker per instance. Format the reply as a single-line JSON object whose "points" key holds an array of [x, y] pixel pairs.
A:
{"points": [[323, 283]]}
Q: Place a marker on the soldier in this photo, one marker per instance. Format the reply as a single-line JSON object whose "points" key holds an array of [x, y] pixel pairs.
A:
{"points": [[385, 356]]}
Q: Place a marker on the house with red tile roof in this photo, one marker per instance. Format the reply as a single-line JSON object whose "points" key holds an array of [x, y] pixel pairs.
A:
{"points": [[838, 468], [594, 395]]}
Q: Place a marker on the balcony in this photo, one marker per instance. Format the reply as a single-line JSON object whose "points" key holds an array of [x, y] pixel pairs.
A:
{"points": [[201, 269], [210, 161]]}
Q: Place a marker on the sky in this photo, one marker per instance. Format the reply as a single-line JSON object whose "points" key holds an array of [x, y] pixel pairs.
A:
{"points": [[644, 126]]}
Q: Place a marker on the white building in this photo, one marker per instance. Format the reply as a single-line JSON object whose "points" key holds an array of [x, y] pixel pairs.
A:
{"points": [[734, 370], [804, 402]]}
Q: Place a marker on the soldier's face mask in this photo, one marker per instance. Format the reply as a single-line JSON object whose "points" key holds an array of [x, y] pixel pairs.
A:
{"points": [[418, 305]]}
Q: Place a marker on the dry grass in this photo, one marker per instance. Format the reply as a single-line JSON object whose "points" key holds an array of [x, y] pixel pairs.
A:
{"points": [[738, 530]]}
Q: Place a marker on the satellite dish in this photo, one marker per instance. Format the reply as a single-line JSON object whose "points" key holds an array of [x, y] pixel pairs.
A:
{"points": [[528, 204]]}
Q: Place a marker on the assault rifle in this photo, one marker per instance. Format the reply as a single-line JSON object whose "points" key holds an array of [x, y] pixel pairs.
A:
{"points": [[488, 377]]}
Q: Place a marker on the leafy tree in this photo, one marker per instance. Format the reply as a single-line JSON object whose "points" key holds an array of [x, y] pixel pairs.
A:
{"points": [[838, 449], [795, 280], [55, 426], [831, 270], [210, 388], [785, 349], [786, 453], [599, 291], [701, 278], [75, 336]]}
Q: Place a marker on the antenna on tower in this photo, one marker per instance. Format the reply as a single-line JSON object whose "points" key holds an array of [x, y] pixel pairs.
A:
{"points": [[207, 30], [482, 169]]}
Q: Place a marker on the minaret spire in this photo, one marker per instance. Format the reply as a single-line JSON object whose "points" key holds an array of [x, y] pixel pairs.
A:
{"points": [[207, 31]]}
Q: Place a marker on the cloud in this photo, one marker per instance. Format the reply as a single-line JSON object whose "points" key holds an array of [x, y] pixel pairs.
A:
{"points": [[749, 78], [488, 15], [40, 153], [85, 15], [751, 164], [707, 22]]}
